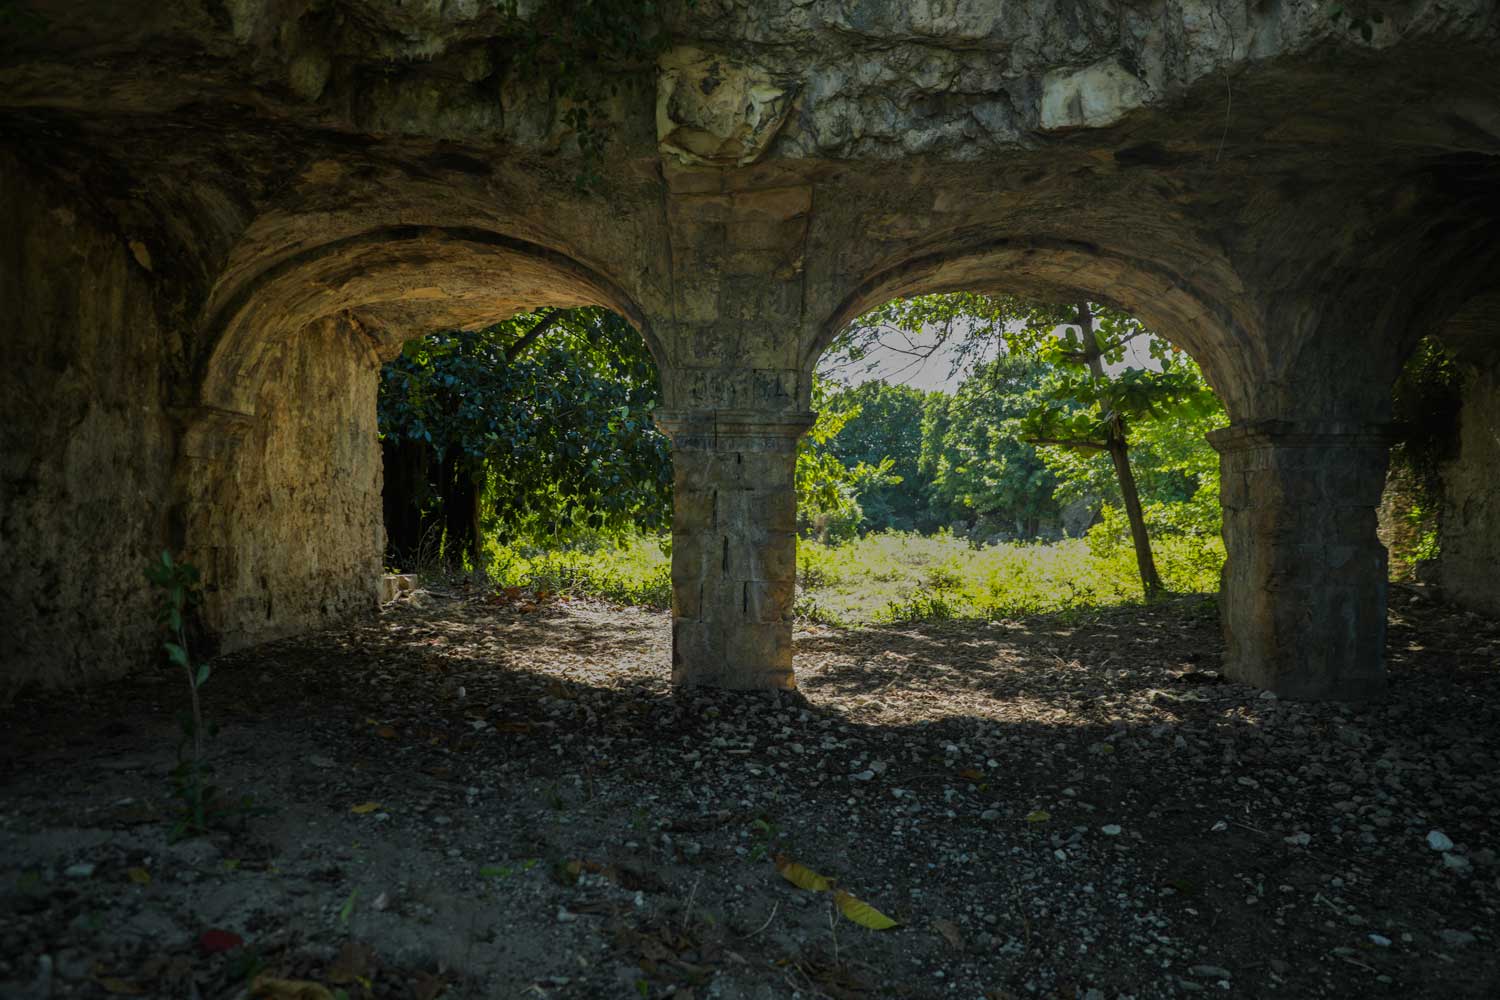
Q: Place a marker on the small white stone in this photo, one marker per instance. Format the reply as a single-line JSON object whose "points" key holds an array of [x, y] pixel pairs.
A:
{"points": [[864, 776], [1456, 938], [1380, 940], [1210, 971], [1438, 841], [1110, 829], [81, 870], [1456, 862], [1299, 839]]}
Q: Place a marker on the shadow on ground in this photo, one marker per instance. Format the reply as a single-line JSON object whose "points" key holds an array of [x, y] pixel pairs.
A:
{"points": [[467, 798]]}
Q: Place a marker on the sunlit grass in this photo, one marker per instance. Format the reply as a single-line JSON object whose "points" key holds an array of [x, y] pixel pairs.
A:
{"points": [[902, 577], [635, 570], [889, 577]]}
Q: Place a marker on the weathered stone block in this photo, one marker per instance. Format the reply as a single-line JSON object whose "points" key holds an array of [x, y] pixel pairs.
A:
{"points": [[718, 110], [1091, 97], [687, 599], [767, 601], [693, 509], [1303, 599]]}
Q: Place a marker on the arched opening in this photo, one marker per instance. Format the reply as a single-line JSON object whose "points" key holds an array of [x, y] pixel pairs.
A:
{"points": [[280, 472], [1196, 310], [1055, 459], [1449, 398], [518, 439]]}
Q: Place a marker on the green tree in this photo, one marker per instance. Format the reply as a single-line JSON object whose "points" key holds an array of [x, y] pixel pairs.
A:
{"points": [[980, 469], [828, 490], [885, 422], [1091, 398], [536, 426]]}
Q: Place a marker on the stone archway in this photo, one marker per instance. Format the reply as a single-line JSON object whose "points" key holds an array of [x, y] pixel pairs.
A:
{"points": [[734, 537], [279, 474]]}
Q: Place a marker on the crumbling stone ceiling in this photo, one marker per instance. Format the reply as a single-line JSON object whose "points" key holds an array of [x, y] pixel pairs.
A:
{"points": [[1230, 170]]}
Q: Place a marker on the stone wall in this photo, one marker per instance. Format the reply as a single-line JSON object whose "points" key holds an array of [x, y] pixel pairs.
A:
{"points": [[295, 535], [1470, 529], [85, 444], [1398, 532]]}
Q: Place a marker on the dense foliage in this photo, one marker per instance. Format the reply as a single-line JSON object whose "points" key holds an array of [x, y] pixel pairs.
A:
{"points": [[1047, 395], [1426, 400], [539, 429], [552, 438], [983, 471]]}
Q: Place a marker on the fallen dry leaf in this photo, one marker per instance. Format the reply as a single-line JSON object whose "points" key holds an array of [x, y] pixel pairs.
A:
{"points": [[426, 986], [139, 876], [215, 941], [355, 962], [862, 913], [364, 808], [950, 932], [801, 876], [268, 988], [119, 987]]}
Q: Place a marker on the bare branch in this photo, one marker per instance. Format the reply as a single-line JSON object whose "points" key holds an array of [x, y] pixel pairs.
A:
{"points": [[1067, 443], [529, 337]]}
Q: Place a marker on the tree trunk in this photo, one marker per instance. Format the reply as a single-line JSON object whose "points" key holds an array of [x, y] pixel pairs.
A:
{"points": [[404, 493], [460, 513], [1116, 444]]}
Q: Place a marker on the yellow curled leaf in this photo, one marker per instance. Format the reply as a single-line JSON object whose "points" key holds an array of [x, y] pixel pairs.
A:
{"points": [[268, 988], [1038, 816], [364, 808], [120, 987], [801, 876], [862, 913], [139, 876]]}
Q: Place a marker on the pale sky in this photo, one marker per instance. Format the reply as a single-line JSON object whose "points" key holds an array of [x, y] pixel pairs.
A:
{"points": [[894, 362]]}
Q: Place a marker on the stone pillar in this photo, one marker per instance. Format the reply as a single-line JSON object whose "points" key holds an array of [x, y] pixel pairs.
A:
{"points": [[734, 546], [1303, 598]]}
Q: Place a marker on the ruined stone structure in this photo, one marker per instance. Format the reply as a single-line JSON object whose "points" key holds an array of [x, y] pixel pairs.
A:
{"points": [[220, 216]]}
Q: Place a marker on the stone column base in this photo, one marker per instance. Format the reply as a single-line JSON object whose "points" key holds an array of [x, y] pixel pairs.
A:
{"points": [[1303, 596], [734, 546]]}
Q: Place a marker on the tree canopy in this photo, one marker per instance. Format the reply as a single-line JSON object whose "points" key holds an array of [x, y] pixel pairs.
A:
{"points": [[548, 417]]}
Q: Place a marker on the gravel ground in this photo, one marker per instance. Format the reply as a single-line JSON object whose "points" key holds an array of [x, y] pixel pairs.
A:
{"points": [[504, 798]]}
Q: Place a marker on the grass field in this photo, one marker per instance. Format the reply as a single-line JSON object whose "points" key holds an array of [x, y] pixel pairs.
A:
{"points": [[890, 577]]}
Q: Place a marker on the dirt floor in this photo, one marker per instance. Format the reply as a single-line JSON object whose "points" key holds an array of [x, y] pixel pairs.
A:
{"points": [[481, 798]]}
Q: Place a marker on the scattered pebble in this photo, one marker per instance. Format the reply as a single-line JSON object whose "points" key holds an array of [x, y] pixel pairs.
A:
{"points": [[1455, 938]]}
